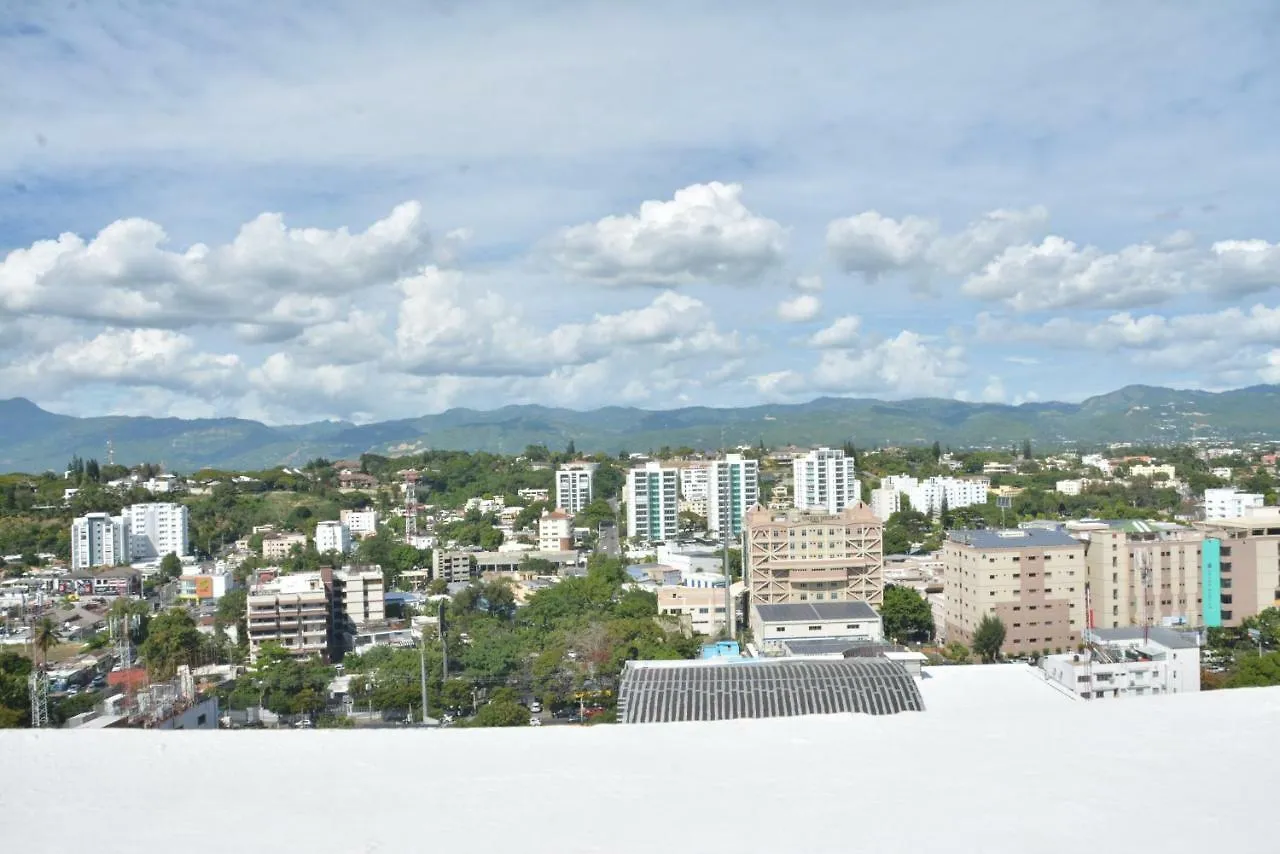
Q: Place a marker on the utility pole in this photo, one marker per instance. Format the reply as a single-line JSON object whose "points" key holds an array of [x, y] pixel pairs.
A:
{"points": [[422, 669]]}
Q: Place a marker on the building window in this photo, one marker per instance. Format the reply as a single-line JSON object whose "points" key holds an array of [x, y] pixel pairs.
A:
{"points": [[815, 628]]}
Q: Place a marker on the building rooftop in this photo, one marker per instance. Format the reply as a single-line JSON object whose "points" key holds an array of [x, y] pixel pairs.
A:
{"points": [[1015, 538], [799, 612], [1170, 638]]}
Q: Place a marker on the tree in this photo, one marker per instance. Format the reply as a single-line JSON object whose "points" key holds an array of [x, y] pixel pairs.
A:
{"points": [[92, 471], [1026, 449], [570, 450], [937, 452], [501, 712], [907, 616], [172, 640], [988, 638], [47, 635], [170, 567]]}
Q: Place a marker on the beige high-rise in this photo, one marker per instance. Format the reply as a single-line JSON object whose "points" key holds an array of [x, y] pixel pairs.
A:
{"points": [[1032, 580], [1118, 556], [814, 556]]}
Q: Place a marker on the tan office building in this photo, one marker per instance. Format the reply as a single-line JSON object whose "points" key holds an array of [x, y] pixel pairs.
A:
{"points": [[1245, 567], [814, 556], [1119, 555], [1033, 580]]}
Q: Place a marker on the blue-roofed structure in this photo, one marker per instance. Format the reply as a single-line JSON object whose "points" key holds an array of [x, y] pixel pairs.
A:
{"points": [[1015, 538]]}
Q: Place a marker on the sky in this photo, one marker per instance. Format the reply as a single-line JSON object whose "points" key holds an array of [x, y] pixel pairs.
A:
{"points": [[294, 211]]}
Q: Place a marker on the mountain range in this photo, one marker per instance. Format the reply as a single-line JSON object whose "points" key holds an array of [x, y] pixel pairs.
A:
{"points": [[33, 439]]}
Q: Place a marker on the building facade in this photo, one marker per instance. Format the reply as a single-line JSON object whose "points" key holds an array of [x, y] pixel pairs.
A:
{"points": [[99, 539], [361, 523], [852, 621], [1240, 568], [1230, 503], [695, 479], [358, 602], [574, 486], [1130, 662], [453, 566], [928, 496], [277, 546], [700, 609], [825, 479], [653, 503], [333, 537], [1143, 574], [156, 530], [796, 556], [1033, 580], [555, 531], [294, 611], [733, 488]]}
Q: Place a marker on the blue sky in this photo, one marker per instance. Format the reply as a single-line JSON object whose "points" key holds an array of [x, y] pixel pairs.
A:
{"points": [[291, 211]]}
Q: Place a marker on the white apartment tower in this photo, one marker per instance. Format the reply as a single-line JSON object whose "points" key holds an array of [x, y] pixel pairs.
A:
{"points": [[99, 539], [733, 488], [825, 480], [1229, 503], [360, 522], [156, 530], [653, 502], [573, 487], [333, 537]]}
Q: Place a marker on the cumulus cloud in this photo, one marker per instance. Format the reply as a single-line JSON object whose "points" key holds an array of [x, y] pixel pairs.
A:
{"points": [[874, 245], [703, 234], [799, 309], [807, 284], [843, 332], [273, 279]]}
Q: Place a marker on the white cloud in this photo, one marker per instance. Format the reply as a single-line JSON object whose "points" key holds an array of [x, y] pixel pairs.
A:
{"points": [[843, 332], [807, 284], [704, 234], [873, 244], [1245, 266], [799, 309], [993, 391], [906, 365]]}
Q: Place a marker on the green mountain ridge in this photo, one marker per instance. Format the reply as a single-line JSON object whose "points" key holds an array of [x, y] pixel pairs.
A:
{"points": [[33, 439]]}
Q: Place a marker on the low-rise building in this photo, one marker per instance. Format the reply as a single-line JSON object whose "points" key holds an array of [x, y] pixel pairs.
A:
{"points": [[278, 545], [700, 609], [204, 583], [453, 566], [294, 611], [555, 531], [333, 537], [361, 523], [1230, 503], [1153, 471], [1130, 662], [854, 621]]}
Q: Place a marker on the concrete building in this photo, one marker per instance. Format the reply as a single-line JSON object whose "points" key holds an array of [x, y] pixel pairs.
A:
{"points": [[1033, 580], [1142, 573], [825, 479], [653, 503], [1153, 471], [333, 537], [453, 566], [574, 486], [277, 546], [813, 556], [159, 529], [99, 539], [357, 602], [691, 558], [361, 523], [1229, 503], [555, 531], [700, 609], [854, 621], [1240, 568], [929, 496], [204, 583], [1129, 663], [294, 611], [1097, 461], [695, 479], [733, 488], [1069, 487]]}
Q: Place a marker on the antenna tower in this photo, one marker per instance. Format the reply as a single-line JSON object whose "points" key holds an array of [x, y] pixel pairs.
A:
{"points": [[410, 505], [1144, 571], [38, 685], [111, 453]]}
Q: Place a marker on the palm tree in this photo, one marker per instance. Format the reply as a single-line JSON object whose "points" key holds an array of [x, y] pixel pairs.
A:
{"points": [[46, 635]]}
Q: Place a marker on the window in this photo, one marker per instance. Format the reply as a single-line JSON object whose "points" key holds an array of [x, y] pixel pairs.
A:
{"points": [[780, 629], [815, 628]]}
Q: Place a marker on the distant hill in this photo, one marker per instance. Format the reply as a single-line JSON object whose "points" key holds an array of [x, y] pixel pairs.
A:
{"points": [[32, 439]]}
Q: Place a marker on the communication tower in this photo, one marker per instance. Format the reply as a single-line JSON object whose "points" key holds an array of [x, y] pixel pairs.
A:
{"points": [[38, 686], [410, 505]]}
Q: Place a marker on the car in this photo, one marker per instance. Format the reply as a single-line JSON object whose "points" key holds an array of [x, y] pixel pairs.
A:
{"points": [[535, 707], [303, 724], [535, 721]]}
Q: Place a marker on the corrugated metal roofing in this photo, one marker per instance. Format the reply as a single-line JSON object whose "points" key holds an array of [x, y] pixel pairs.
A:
{"points": [[723, 691]]}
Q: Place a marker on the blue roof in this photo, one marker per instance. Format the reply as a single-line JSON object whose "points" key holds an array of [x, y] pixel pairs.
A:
{"points": [[1017, 538]]}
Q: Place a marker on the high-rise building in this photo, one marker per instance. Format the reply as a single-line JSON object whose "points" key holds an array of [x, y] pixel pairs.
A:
{"points": [[1230, 503], [333, 537], [99, 539], [733, 488], [814, 556], [1142, 573], [825, 479], [295, 611], [653, 503], [1032, 579], [1239, 567], [574, 489], [158, 529], [358, 602]]}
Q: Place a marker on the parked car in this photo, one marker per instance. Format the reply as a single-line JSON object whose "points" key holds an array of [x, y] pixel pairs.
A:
{"points": [[535, 721], [535, 707]]}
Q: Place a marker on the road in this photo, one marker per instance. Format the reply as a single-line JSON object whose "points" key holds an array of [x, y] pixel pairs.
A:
{"points": [[608, 542]]}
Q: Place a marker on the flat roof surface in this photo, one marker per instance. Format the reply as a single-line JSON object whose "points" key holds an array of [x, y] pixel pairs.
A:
{"points": [[1161, 635], [578, 786], [800, 612], [1016, 538]]}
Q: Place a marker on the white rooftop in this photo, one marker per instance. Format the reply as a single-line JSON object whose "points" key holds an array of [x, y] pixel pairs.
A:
{"points": [[987, 767]]}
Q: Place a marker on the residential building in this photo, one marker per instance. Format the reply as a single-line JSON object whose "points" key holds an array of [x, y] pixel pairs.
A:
{"points": [[1069, 487], [653, 504], [695, 480], [531, 494], [1221, 472], [294, 611], [825, 479], [156, 530], [555, 531], [814, 556], [700, 609], [853, 620], [780, 497], [205, 583], [733, 488], [999, 468], [333, 537], [929, 496], [691, 558], [574, 486], [1153, 471], [278, 545], [361, 523], [357, 603], [1032, 579], [1097, 461], [1142, 573], [356, 480], [1129, 662], [1229, 503], [99, 539], [452, 566], [1240, 568]]}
